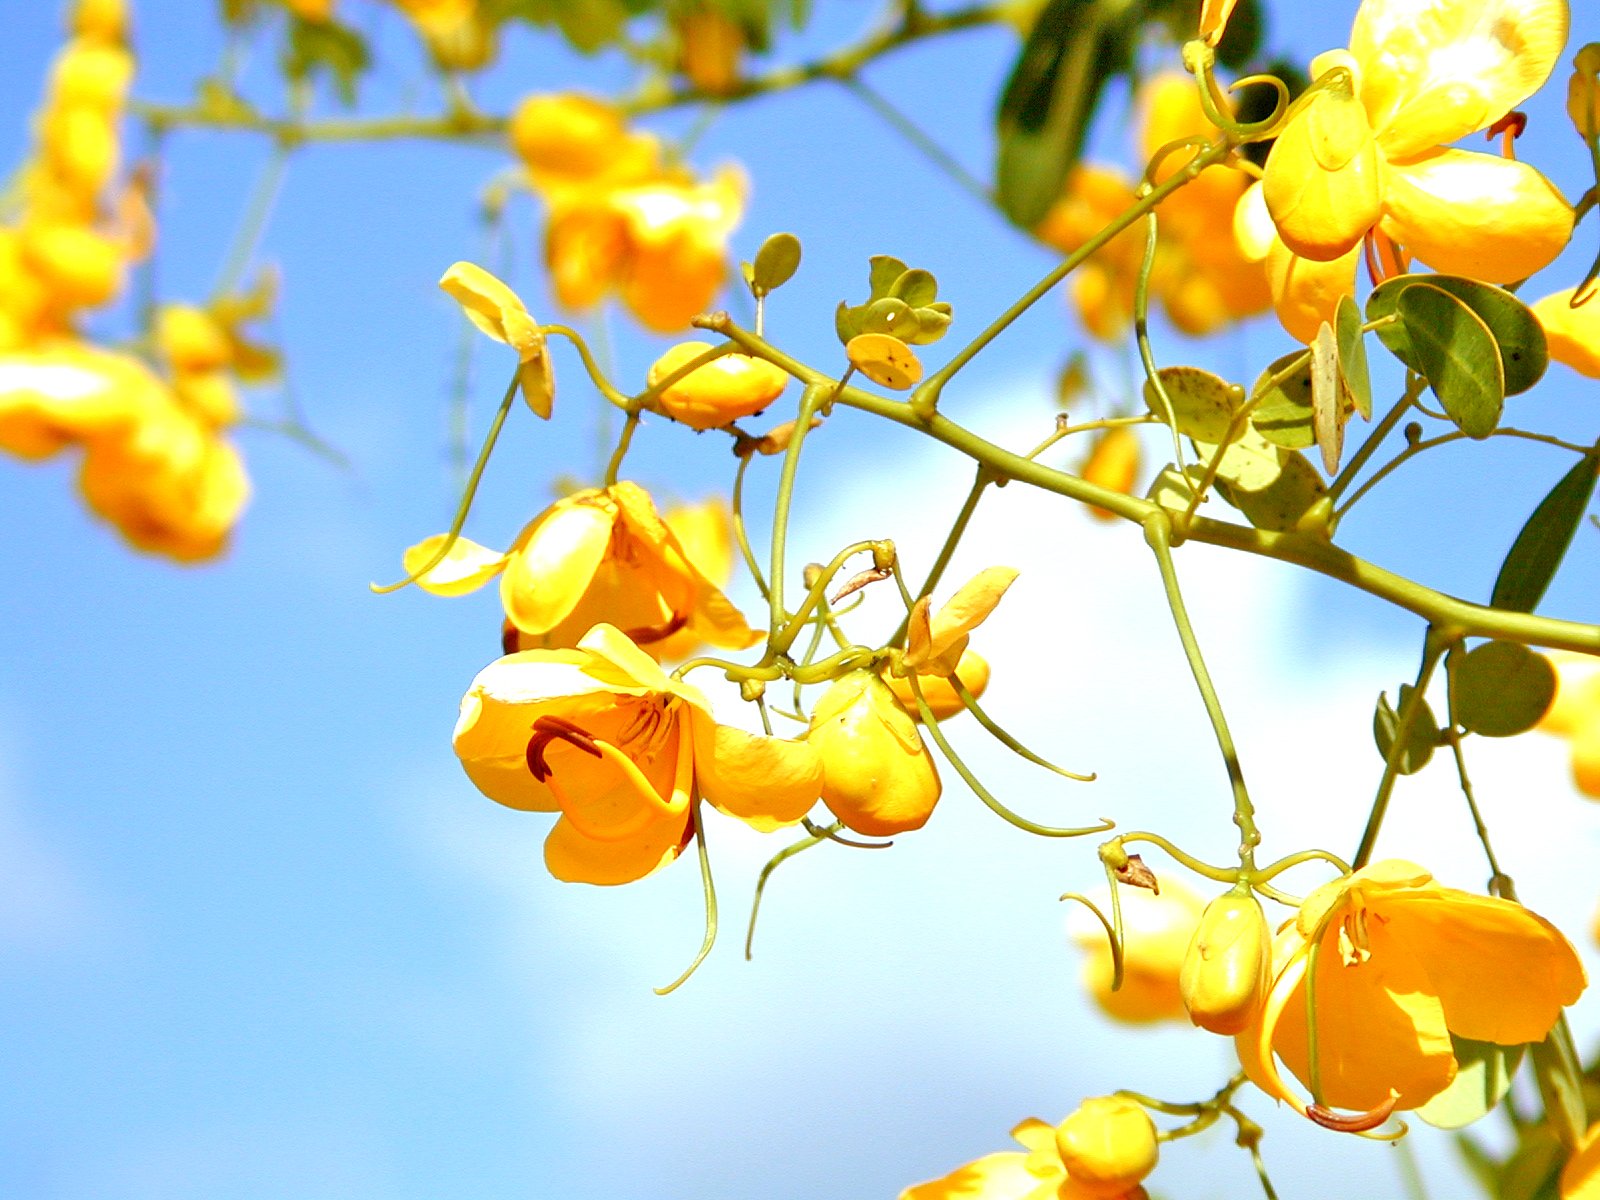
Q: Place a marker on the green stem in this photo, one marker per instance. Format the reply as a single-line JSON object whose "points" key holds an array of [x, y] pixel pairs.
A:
{"points": [[813, 398], [258, 212], [918, 138], [740, 533], [1434, 644], [781, 856], [1141, 333], [947, 551], [629, 424], [709, 891], [596, 375], [1414, 386], [1158, 533]]}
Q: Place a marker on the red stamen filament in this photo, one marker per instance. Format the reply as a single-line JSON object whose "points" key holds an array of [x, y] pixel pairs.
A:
{"points": [[548, 729]]}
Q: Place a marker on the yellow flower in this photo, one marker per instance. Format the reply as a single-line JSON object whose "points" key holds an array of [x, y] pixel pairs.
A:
{"points": [[879, 777], [1398, 964], [1214, 16], [941, 697], [1225, 972], [705, 531], [1575, 715], [1157, 931], [1102, 1132], [1580, 1178], [65, 393], [722, 391], [1201, 273], [1364, 151], [1572, 334], [661, 245], [570, 142], [1113, 463], [936, 645], [710, 43], [499, 312], [595, 556], [603, 736]]}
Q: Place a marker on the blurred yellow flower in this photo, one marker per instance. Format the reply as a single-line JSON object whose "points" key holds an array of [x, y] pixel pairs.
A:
{"points": [[879, 778], [1401, 963], [1580, 1178], [1365, 151], [598, 555], [705, 532], [1157, 931], [603, 736], [1575, 715], [67, 392], [1113, 463], [1572, 334]]}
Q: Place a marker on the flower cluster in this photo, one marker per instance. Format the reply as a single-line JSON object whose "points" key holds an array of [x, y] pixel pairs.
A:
{"points": [[622, 218]]}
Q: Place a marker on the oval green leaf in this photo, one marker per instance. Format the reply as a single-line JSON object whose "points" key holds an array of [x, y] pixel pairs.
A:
{"points": [[916, 287], [1457, 354], [1536, 555], [1483, 1077], [1424, 736], [1500, 689], [1279, 506], [776, 262], [1353, 357], [1517, 332], [1283, 413], [1250, 462], [1202, 403], [885, 269]]}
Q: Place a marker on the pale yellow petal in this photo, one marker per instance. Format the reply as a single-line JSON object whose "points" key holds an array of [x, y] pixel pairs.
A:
{"points": [[1324, 179], [573, 858], [465, 568], [1465, 213], [1001, 1176]]}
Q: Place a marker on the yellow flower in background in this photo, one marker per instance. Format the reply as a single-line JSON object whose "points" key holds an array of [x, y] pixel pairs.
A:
{"points": [[499, 312], [879, 778], [1400, 964], [1108, 1141], [1580, 1178], [1113, 463], [1201, 275], [1365, 151], [66, 393], [1575, 715], [603, 736], [573, 143], [1572, 334], [1157, 932], [598, 555], [721, 392]]}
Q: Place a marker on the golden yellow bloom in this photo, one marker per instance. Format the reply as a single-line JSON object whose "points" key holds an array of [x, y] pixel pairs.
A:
{"points": [[1108, 1145], [68, 392], [879, 777], [1201, 274], [1400, 963], [1113, 463], [722, 391], [1580, 1178], [935, 643], [499, 312], [573, 142], [1575, 715], [1583, 91], [1365, 150], [1228, 964], [595, 556], [603, 736], [1037, 1172], [1157, 931], [1572, 334], [77, 266]]}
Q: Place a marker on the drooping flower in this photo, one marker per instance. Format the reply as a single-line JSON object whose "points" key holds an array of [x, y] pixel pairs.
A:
{"points": [[1228, 964], [879, 777], [601, 735], [1398, 964], [1365, 150], [1572, 334], [722, 391], [598, 555], [1100, 1152], [1157, 931]]}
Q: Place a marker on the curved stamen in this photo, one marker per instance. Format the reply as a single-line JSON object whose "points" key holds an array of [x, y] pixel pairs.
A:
{"points": [[643, 635], [1353, 1122], [548, 729]]}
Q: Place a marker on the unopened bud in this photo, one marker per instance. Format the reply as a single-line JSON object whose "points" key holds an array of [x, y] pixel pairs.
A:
{"points": [[1224, 974], [1107, 1146], [1583, 91]]}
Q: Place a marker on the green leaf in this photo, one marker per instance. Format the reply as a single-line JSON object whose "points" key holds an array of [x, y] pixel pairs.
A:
{"points": [[1202, 403], [1517, 332], [1170, 490], [1279, 506], [326, 46], [846, 321], [1327, 398], [1500, 689], [1074, 48], [1536, 555], [1424, 732], [888, 316], [916, 287], [1560, 1078], [1283, 414], [776, 262], [1483, 1077], [1353, 357], [1457, 353], [1250, 462], [885, 270]]}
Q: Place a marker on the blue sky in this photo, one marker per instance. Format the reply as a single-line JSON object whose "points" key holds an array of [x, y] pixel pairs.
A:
{"points": [[260, 938]]}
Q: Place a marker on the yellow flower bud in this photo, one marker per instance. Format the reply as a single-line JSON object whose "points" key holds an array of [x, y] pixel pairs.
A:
{"points": [[1108, 1145], [711, 43], [1224, 974], [1583, 91], [878, 777], [972, 670], [1113, 463], [709, 397]]}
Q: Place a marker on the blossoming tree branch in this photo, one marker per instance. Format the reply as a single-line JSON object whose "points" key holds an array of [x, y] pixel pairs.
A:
{"points": [[1338, 199]]}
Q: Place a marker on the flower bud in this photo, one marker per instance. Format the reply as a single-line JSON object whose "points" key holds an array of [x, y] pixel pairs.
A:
{"points": [[1224, 974], [972, 670], [1583, 91], [1107, 1146], [725, 389], [878, 777]]}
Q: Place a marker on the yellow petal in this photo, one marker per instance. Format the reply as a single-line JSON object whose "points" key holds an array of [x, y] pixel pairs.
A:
{"points": [[555, 559], [1324, 178], [69, 393], [1001, 1176], [766, 782], [878, 777], [724, 390], [1573, 334], [496, 721], [499, 312], [465, 568], [973, 671], [573, 858], [934, 645], [1580, 1178], [1433, 71], [1214, 19], [1305, 293], [1465, 213]]}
